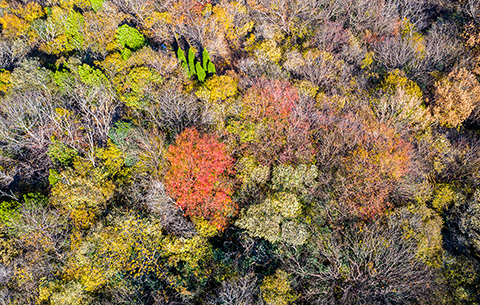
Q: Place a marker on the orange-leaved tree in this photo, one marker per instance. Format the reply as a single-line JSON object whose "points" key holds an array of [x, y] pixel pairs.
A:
{"points": [[198, 179], [379, 161]]}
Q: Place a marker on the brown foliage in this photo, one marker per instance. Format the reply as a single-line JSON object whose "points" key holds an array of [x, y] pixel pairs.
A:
{"points": [[456, 96]]}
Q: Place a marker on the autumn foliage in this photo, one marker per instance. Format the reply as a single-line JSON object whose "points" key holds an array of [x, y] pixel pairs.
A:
{"points": [[374, 167], [198, 177], [271, 128]]}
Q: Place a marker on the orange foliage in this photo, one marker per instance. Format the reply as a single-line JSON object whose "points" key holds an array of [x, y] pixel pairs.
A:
{"points": [[456, 96], [197, 179], [270, 127], [380, 159]]}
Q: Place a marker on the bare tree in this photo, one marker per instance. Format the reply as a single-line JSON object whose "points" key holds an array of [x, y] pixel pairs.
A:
{"points": [[240, 291], [171, 216], [289, 15], [364, 264], [172, 110], [473, 9], [25, 120]]}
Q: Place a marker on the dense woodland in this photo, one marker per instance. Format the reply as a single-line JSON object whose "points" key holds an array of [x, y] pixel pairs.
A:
{"points": [[239, 152]]}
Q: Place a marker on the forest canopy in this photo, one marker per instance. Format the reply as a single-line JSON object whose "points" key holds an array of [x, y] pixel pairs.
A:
{"points": [[239, 152]]}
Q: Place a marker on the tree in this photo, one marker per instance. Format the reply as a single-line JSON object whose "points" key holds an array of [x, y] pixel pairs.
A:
{"points": [[456, 96], [41, 235], [363, 264], [270, 126], [379, 161], [198, 178], [85, 190], [290, 16]]}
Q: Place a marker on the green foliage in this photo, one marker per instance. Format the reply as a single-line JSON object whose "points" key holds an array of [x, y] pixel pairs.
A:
{"points": [[61, 153], [138, 83], [191, 62], [211, 68], [91, 76], [194, 67], [205, 59], [119, 135], [96, 4], [275, 219], [334, 160], [298, 179], [64, 80], [54, 177], [200, 72], [126, 53], [207, 64], [130, 37], [8, 211], [181, 56], [120, 132]]}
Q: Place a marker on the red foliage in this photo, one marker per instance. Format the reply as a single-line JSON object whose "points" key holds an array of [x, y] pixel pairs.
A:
{"points": [[197, 179], [271, 113]]}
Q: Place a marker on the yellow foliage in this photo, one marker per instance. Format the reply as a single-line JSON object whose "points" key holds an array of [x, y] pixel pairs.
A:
{"points": [[70, 4], [409, 32], [29, 12], [85, 189], [100, 29], [267, 48], [443, 197], [5, 80], [219, 94], [204, 228], [307, 88], [276, 289], [224, 22], [193, 250], [424, 226], [65, 31], [8, 250], [368, 60], [397, 79], [13, 26], [129, 246], [218, 88], [133, 247]]}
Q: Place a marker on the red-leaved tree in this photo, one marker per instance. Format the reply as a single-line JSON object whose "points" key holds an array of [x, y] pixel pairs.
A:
{"points": [[198, 177], [271, 127]]}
